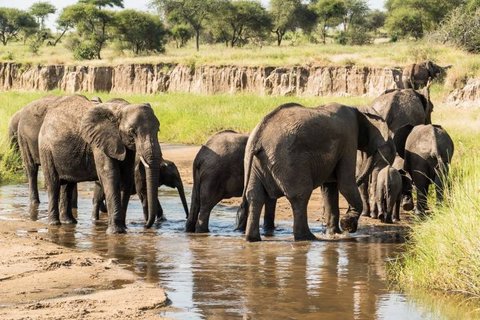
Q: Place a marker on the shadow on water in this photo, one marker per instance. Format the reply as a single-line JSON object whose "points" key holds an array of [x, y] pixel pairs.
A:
{"points": [[220, 276]]}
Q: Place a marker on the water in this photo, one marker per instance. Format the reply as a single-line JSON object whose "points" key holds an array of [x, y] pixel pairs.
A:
{"points": [[220, 276]]}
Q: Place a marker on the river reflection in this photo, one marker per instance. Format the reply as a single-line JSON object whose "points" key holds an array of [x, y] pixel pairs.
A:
{"points": [[220, 276]]}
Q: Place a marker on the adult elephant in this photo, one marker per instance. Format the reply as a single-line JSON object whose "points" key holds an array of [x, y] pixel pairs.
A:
{"points": [[416, 75], [85, 142], [24, 129], [401, 109], [218, 173], [294, 150], [169, 176]]}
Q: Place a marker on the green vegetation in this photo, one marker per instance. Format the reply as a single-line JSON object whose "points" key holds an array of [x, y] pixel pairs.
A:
{"points": [[444, 251]]}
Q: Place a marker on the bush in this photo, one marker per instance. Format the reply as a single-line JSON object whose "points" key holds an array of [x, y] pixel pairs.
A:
{"points": [[84, 51], [354, 36], [460, 28]]}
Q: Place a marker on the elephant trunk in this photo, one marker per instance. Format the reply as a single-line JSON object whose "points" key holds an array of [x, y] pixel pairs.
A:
{"points": [[151, 158], [181, 192], [367, 169]]}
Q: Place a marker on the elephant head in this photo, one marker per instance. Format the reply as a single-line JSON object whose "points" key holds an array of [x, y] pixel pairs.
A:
{"points": [[118, 128], [434, 70]]}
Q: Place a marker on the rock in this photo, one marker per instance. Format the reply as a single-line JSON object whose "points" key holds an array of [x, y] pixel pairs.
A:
{"points": [[467, 96], [150, 78]]}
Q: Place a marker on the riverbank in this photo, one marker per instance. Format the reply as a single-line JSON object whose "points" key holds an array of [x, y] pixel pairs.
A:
{"points": [[41, 280]]}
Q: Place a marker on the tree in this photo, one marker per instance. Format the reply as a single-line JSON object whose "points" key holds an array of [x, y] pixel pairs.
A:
{"points": [[429, 13], [181, 33], [13, 21], [244, 19], [284, 16], [91, 23], [103, 3], [329, 13], [404, 22], [192, 12], [375, 20], [142, 32], [354, 14], [41, 10]]}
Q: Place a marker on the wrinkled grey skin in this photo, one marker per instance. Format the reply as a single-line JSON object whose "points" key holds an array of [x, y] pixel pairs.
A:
{"points": [[407, 198], [83, 141], [428, 153], [388, 194], [218, 173], [169, 176], [294, 150], [13, 129], [416, 76], [400, 109]]}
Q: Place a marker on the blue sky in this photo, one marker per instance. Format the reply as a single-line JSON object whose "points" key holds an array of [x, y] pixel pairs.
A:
{"points": [[136, 4]]}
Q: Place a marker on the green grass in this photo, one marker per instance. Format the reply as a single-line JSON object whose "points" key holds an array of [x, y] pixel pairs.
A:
{"points": [[444, 251]]}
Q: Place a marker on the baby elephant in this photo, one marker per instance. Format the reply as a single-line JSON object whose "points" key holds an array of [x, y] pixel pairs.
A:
{"points": [[428, 153], [388, 196], [218, 174], [169, 176]]}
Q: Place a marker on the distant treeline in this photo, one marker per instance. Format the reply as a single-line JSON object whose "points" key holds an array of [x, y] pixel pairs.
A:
{"points": [[92, 24]]}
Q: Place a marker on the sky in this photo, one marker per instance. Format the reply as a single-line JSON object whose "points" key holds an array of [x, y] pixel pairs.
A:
{"points": [[133, 4]]}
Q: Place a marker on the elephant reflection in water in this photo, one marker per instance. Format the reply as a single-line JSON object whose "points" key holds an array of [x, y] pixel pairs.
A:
{"points": [[334, 280]]}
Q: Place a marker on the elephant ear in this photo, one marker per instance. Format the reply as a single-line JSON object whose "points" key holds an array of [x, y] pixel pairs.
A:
{"points": [[99, 128], [400, 138]]}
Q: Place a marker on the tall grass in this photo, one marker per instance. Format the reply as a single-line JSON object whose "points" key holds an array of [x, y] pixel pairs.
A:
{"points": [[444, 251]]}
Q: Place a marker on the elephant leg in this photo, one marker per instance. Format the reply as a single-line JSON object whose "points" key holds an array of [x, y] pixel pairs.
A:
{"points": [[421, 183], [160, 216], [256, 197], [396, 216], [32, 174], [67, 194], [301, 230], [348, 188], [373, 189], [330, 205], [269, 216], [440, 184], [389, 204], [75, 197], [98, 198], [363, 188], [206, 208], [53, 188]]}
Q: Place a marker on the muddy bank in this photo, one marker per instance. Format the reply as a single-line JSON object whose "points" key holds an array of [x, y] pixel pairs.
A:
{"points": [[42, 280], [468, 96], [150, 78]]}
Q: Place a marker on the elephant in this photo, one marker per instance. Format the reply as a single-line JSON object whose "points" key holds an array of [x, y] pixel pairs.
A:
{"points": [[428, 153], [24, 129], [13, 130], [218, 173], [416, 75], [83, 141], [295, 149], [399, 108], [388, 194], [169, 176]]}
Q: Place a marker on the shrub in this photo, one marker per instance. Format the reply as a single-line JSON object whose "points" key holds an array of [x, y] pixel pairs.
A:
{"points": [[84, 51]]}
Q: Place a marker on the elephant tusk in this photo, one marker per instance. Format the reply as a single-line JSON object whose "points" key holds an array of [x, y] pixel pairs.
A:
{"points": [[144, 162]]}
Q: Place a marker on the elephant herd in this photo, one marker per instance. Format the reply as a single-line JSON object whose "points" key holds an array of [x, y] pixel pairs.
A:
{"points": [[370, 155]]}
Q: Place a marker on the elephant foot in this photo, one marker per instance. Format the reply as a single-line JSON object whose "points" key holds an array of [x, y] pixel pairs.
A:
{"points": [[201, 229], [54, 222], [268, 232], [161, 219], [34, 202], [407, 205], [385, 219], [365, 214], [69, 221], [115, 229], [396, 219], [253, 238], [190, 226], [333, 230], [349, 223], [305, 237]]}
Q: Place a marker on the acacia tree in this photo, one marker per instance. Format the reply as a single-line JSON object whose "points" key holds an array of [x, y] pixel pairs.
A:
{"points": [[142, 32], [329, 13], [91, 23], [284, 16], [41, 10], [195, 13], [354, 14], [13, 21]]}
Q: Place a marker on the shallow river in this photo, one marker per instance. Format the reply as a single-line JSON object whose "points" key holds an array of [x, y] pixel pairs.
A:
{"points": [[220, 276]]}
